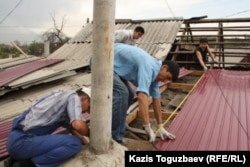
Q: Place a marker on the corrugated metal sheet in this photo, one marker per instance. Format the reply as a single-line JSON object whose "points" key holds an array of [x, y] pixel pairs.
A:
{"points": [[40, 76], [5, 128], [215, 116], [16, 102], [11, 74], [184, 72], [75, 55], [6, 63], [159, 36]]}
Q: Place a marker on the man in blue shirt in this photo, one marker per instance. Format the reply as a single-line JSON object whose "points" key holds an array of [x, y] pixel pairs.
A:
{"points": [[31, 135], [144, 71]]}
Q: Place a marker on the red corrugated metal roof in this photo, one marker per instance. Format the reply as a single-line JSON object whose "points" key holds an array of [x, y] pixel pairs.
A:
{"points": [[215, 116], [11, 74], [184, 72]]}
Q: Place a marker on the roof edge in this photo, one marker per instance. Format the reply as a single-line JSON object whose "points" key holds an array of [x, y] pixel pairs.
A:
{"points": [[146, 20]]}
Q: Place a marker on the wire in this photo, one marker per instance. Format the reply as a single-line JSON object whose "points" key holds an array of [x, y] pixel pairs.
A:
{"points": [[245, 11], [11, 12], [170, 8], [232, 110]]}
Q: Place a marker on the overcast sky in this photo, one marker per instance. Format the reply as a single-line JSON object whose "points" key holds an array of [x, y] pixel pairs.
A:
{"points": [[26, 20]]}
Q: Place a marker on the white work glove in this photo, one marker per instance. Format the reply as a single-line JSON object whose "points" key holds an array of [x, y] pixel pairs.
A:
{"points": [[164, 134], [150, 132], [205, 68]]}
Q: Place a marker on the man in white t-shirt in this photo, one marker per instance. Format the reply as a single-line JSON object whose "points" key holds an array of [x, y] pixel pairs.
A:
{"points": [[129, 36]]}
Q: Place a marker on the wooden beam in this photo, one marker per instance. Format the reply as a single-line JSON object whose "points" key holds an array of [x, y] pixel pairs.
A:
{"points": [[219, 62], [197, 73], [133, 110], [19, 49], [213, 43], [224, 20], [214, 35], [215, 52], [131, 116], [163, 88], [165, 115], [180, 86]]}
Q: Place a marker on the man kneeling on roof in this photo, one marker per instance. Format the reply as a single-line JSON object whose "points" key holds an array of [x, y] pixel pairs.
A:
{"points": [[132, 64], [31, 142]]}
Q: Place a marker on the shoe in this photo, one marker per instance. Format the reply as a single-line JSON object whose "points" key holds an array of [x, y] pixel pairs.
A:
{"points": [[24, 163]]}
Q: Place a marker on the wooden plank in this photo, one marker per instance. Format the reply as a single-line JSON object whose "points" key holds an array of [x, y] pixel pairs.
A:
{"points": [[213, 43], [165, 115], [215, 35], [131, 116], [134, 109], [19, 49], [163, 88], [216, 52], [223, 20], [233, 63], [180, 86], [197, 73]]}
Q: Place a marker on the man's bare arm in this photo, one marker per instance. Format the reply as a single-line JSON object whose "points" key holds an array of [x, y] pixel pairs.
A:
{"points": [[210, 53], [80, 129], [199, 57], [157, 110], [143, 106]]}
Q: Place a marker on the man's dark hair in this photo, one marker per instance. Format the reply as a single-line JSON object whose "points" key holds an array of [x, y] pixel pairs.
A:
{"points": [[139, 29], [173, 68], [203, 40]]}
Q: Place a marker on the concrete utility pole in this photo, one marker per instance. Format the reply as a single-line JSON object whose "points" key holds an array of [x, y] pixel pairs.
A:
{"points": [[102, 75]]}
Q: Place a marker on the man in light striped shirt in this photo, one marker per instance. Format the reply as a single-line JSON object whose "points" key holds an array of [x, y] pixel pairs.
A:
{"points": [[31, 141]]}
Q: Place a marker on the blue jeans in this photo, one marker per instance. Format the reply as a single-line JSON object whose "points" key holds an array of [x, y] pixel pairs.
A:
{"points": [[44, 151], [122, 97]]}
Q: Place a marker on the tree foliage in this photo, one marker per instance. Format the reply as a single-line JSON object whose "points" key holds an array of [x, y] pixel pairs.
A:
{"points": [[7, 51], [36, 48]]}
